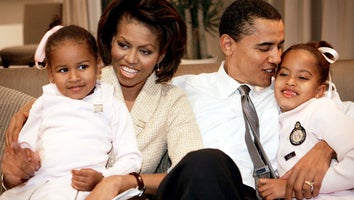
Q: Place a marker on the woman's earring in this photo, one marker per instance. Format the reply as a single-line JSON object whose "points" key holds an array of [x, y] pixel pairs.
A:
{"points": [[158, 67]]}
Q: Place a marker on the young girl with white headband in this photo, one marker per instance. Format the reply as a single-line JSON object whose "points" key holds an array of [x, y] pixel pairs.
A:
{"points": [[308, 116], [75, 123]]}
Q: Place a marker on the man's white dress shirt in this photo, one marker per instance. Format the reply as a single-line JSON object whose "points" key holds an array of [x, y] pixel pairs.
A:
{"points": [[217, 106]]}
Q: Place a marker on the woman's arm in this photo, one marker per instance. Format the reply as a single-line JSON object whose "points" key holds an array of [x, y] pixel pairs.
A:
{"points": [[152, 182], [18, 164], [111, 186], [16, 123], [183, 131]]}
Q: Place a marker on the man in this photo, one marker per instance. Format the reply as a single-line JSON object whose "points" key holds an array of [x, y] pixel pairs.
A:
{"points": [[251, 37]]}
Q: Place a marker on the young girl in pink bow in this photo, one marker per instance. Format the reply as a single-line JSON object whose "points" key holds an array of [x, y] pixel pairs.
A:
{"points": [[76, 122]]}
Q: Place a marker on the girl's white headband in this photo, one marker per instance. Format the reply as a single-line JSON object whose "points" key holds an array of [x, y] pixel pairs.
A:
{"points": [[324, 51], [331, 51]]}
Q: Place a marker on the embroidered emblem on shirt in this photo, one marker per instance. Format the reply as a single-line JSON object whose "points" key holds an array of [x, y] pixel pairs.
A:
{"points": [[97, 108], [298, 134]]}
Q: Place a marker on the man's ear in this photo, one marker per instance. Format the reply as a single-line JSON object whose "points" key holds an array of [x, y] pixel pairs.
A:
{"points": [[320, 91], [225, 42]]}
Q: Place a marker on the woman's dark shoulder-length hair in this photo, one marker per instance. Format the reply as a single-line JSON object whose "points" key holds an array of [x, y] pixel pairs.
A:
{"points": [[158, 15]]}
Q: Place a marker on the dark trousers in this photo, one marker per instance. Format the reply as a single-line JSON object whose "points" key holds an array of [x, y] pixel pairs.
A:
{"points": [[205, 174]]}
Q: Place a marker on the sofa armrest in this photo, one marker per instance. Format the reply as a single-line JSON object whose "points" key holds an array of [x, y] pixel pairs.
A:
{"points": [[10, 102]]}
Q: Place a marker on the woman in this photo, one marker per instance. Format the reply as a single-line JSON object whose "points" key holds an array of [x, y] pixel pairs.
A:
{"points": [[144, 41]]}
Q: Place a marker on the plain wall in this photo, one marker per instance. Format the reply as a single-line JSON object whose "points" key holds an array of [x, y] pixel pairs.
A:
{"points": [[11, 17]]}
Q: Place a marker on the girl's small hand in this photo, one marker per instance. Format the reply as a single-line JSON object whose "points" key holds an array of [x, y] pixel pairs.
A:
{"points": [[85, 179], [271, 188]]}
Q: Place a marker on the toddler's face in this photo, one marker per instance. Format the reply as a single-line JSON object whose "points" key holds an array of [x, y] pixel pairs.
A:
{"points": [[73, 69]]}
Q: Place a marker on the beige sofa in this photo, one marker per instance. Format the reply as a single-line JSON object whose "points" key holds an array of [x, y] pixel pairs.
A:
{"points": [[29, 80], [20, 85]]}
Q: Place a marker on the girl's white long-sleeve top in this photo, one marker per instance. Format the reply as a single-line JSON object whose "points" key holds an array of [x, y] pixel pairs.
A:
{"points": [[321, 120], [72, 134]]}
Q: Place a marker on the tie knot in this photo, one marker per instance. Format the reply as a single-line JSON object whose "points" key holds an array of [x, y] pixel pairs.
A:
{"points": [[244, 90]]}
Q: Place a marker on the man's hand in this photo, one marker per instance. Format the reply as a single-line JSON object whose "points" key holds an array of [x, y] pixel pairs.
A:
{"points": [[310, 168], [18, 164], [85, 179]]}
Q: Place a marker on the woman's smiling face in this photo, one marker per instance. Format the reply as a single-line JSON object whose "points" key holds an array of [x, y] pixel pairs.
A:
{"points": [[135, 52]]}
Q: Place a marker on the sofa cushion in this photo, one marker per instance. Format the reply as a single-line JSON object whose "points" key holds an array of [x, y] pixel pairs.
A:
{"points": [[343, 77], [28, 80]]}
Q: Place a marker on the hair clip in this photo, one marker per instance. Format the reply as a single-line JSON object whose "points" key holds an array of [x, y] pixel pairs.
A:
{"points": [[39, 55], [332, 52]]}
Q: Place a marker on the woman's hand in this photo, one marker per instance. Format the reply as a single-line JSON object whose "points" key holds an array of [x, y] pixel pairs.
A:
{"points": [[85, 179], [310, 168], [107, 188], [18, 165]]}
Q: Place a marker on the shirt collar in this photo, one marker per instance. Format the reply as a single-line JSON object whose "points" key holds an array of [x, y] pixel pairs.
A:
{"points": [[228, 86]]}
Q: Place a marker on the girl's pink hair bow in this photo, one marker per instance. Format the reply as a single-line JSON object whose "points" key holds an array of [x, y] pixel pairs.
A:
{"points": [[39, 55]]}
